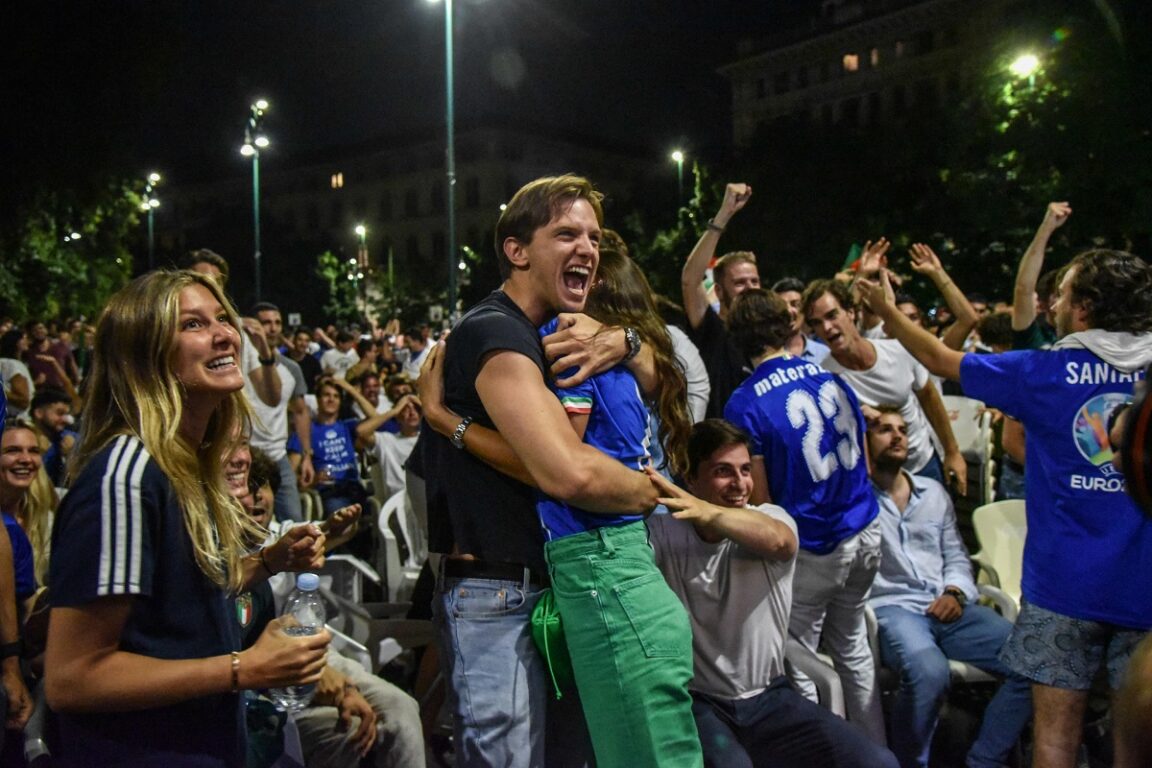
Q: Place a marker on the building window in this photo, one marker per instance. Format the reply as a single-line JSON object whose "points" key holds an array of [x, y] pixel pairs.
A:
{"points": [[899, 100], [874, 57], [925, 42], [851, 62], [874, 107], [411, 204], [850, 110], [385, 208], [926, 94], [472, 192], [337, 181], [781, 83]]}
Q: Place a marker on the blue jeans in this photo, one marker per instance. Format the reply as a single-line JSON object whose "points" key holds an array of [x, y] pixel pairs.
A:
{"points": [[499, 683], [779, 728], [919, 647]]}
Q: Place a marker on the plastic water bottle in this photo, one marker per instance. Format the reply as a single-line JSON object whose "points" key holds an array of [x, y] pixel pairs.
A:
{"points": [[303, 615]]}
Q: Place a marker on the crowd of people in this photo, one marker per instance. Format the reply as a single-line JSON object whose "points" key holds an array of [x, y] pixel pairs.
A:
{"points": [[642, 515]]}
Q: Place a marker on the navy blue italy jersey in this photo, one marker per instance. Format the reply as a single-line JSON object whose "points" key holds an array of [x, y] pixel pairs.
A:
{"points": [[120, 533]]}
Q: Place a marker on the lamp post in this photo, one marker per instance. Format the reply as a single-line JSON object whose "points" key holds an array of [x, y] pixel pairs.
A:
{"points": [[678, 158], [362, 266], [149, 206], [254, 141], [450, 154]]}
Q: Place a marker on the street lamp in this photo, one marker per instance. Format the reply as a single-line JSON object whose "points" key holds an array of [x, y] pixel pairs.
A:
{"points": [[362, 266], [254, 141], [1025, 65], [678, 158], [450, 155], [149, 206]]}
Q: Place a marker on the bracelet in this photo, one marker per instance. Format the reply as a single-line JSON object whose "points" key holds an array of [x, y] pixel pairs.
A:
{"points": [[14, 648], [267, 360], [235, 671], [264, 563], [712, 225]]}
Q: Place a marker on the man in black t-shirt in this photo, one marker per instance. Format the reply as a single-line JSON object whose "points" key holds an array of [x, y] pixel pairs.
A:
{"points": [[547, 243], [734, 273]]}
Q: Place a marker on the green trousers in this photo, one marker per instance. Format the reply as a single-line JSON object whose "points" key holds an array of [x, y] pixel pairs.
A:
{"points": [[631, 648]]}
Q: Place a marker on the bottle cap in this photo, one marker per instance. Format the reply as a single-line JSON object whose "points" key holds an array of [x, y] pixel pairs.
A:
{"points": [[308, 582]]}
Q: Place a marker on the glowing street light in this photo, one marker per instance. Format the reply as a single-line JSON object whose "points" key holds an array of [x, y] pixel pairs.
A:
{"points": [[254, 141], [678, 158], [149, 206], [1024, 65]]}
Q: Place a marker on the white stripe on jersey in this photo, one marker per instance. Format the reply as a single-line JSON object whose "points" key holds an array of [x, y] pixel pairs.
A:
{"points": [[121, 510]]}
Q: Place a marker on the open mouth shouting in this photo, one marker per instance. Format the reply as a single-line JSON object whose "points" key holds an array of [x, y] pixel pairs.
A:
{"points": [[576, 279], [222, 363]]}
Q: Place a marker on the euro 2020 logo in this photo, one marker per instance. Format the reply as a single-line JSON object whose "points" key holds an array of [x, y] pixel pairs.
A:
{"points": [[1090, 428]]}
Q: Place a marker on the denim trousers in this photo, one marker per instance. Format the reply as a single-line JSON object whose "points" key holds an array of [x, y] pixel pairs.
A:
{"points": [[828, 596], [631, 647], [499, 683], [779, 728], [919, 646]]}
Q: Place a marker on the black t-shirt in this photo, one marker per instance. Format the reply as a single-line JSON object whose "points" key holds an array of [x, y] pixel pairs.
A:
{"points": [[492, 516], [310, 367], [727, 367]]}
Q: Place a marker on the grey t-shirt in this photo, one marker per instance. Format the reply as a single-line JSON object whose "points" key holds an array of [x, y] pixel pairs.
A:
{"points": [[738, 603]]}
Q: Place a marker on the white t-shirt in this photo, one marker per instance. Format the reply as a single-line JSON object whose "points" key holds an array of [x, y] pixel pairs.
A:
{"points": [[9, 367], [338, 362], [894, 379], [269, 423], [738, 602], [694, 372], [391, 451]]}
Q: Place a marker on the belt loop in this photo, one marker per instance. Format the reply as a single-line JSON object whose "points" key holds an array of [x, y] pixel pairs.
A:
{"points": [[525, 587], [606, 541]]}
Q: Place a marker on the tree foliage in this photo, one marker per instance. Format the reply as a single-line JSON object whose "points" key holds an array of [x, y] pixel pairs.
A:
{"points": [[46, 272]]}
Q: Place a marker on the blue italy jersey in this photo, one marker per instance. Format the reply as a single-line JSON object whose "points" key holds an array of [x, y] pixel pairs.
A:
{"points": [[806, 424], [1088, 553], [617, 426], [120, 533]]}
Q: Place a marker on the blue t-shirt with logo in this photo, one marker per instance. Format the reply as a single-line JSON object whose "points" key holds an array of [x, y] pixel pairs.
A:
{"points": [[1088, 553], [806, 423], [333, 449]]}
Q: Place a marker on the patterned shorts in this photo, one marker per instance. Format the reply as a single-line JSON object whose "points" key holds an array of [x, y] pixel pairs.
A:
{"points": [[1060, 651]]}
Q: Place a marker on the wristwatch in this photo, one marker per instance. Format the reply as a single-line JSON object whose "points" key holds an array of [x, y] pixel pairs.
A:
{"points": [[458, 433], [958, 594], [634, 342]]}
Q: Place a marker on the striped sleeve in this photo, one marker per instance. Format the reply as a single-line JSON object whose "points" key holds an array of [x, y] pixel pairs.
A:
{"points": [[122, 519]]}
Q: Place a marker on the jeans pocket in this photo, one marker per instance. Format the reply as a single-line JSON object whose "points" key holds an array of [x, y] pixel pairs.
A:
{"points": [[472, 601], [656, 616]]}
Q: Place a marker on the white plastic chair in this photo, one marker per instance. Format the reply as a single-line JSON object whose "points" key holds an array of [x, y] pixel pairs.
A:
{"points": [[1001, 528], [400, 575]]}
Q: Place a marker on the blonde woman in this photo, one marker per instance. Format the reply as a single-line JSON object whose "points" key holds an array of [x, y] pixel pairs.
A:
{"points": [[143, 664]]}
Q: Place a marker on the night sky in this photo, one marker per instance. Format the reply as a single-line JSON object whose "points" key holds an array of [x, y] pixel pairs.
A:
{"points": [[94, 88]]}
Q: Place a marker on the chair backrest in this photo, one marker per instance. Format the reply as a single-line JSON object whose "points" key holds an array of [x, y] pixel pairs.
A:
{"points": [[1001, 528], [400, 575], [971, 425]]}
